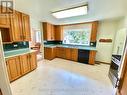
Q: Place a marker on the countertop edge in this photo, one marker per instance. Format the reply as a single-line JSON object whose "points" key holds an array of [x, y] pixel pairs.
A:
{"points": [[20, 54]]}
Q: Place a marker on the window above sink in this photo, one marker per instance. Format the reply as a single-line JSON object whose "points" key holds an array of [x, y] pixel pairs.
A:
{"points": [[77, 34]]}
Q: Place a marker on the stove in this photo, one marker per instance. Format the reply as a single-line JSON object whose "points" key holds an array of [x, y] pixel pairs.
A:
{"points": [[114, 69]]}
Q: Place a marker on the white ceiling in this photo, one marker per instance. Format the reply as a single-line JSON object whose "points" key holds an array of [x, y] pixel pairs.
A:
{"points": [[98, 9]]}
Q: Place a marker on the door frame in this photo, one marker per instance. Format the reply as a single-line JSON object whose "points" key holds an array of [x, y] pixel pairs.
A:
{"points": [[4, 80]]}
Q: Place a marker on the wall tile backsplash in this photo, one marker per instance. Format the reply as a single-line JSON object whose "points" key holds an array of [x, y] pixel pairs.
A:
{"points": [[15, 45]]}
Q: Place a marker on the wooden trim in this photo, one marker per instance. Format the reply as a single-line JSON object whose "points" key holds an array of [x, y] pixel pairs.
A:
{"points": [[98, 62], [79, 23]]}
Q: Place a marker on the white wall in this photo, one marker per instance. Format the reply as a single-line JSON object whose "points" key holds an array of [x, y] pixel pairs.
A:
{"points": [[107, 29], [120, 37]]}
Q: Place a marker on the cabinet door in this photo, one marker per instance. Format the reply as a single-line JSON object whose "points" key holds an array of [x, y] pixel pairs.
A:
{"points": [[16, 27], [48, 31], [52, 32], [49, 53], [47, 28], [25, 65], [68, 53], [13, 67], [4, 19], [92, 57], [60, 52], [58, 33], [94, 31], [26, 27], [74, 54], [33, 60]]}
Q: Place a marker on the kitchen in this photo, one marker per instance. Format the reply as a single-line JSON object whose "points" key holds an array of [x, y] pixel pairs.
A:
{"points": [[41, 55]]}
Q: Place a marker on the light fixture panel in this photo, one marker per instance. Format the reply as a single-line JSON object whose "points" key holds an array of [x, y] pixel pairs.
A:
{"points": [[71, 12]]}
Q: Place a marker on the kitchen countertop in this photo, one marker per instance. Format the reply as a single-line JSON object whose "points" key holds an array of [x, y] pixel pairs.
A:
{"points": [[72, 46], [13, 53]]}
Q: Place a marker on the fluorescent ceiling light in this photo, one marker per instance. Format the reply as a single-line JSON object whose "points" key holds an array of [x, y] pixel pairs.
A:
{"points": [[71, 12]]}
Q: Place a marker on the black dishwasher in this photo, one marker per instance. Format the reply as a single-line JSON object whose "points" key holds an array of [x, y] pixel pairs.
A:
{"points": [[83, 56]]}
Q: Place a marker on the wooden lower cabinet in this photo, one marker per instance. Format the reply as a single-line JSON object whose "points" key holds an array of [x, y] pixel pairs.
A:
{"points": [[21, 65], [60, 52], [67, 53], [13, 68], [74, 54], [49, 53], [92, 56], [33, 61], [25, 65]]}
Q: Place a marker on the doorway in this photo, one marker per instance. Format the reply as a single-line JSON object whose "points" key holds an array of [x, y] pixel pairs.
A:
{"points": [[36, 42]]}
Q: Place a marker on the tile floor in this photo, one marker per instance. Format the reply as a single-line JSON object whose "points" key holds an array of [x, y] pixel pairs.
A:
{"points": [[63, 77]]}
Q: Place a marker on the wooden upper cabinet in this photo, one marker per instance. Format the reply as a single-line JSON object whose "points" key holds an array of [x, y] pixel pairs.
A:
{"points": [[25, 64], [4, 19], [13, 68], [94, 31], [26, 27], [33, 60], [48, 31], [16, 27], [58, 33]]}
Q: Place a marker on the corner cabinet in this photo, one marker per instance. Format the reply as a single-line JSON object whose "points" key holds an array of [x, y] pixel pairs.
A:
{"points": [[52, 32], [48, 31], [21, 65]]}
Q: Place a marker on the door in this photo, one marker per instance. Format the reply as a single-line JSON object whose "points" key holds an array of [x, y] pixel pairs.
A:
{"points": [[25, 65], [26, 27], [13, 68], [33, 61], [16, 27]]}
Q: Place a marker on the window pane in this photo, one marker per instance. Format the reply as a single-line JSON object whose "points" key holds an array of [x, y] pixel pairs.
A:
{"points": [[77, 35]]}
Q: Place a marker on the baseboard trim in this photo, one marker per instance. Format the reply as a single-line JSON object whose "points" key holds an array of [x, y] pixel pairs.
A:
{"points": [[99, 62]]}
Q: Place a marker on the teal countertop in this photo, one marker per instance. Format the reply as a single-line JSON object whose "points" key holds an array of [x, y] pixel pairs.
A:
{"points": [[13, 53], [72, 46]]}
